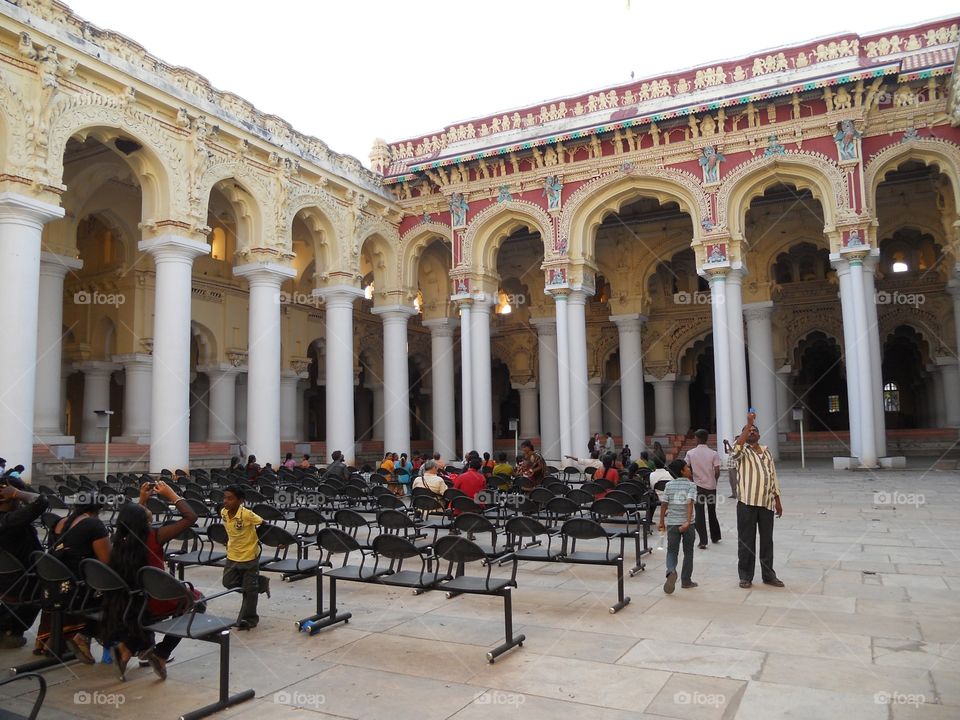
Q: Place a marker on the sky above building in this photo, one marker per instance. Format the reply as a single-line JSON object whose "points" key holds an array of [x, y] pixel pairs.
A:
{"points": [[349, 71]]}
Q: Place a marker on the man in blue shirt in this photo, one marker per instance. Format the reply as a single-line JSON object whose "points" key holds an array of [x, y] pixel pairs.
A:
{"points": [[676, 519]]}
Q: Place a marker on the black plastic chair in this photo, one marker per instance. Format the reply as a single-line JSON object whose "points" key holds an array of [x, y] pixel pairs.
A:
{"points": [[398, 549], [578, 529], [191, 548], [458, 551], [103, 580], [281, 541], [192, 625], [534, 532], [336, 542]]}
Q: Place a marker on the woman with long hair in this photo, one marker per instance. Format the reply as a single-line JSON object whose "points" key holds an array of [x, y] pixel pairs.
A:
{"points": [[607, 472], [136, 545]]}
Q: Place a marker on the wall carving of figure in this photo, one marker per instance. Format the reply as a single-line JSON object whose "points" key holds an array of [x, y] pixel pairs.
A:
{"points": [[846, 138], [710, 161], [551, 190], [458, 210]]}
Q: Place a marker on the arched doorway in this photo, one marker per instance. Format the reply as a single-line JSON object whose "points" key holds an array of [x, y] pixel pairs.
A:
{"points": [[820, 384]]}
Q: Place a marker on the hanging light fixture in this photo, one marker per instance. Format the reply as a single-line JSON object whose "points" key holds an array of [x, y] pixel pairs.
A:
{"points": [[503, 304], [368, 292]]}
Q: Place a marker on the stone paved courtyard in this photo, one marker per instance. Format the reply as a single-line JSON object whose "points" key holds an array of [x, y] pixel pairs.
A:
{"points": [[867, 627]]}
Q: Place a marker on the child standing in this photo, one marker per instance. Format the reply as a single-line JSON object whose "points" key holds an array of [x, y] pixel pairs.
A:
{"points": [[676, 518], [242, 568]]}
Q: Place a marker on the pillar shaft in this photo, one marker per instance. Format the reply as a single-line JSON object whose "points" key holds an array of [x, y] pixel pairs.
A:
{"points": [[631, 381], [529, 421], [48, 410], [579, 389], [876, 357], [681, 405], [664, 402], [727, 425], [563, 375], [785, 399], [443, 425], [289, 424], [738, 367], [864, 377], [850, 351], [223, 404], [481, 375], [950, 380], [263, 358], [338, 360], [21, 224], [396, 379], [595, 410], [137, 391], [96, 396], [548, 387], [763, 378], [466, 378], [170, 403]]}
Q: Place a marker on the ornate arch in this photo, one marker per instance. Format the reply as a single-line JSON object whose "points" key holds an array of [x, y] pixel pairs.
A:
{"points": [[206, 342], [685, 337], [369, 226], [253, 185], [926, 323], [587, 206], [750, 179], [495, 222], [801, 322], [411, 246], [159, 167], [601, 351], [931, 151]]}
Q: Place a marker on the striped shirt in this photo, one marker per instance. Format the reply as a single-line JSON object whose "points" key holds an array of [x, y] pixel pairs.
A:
{"points": [[758, 484]]}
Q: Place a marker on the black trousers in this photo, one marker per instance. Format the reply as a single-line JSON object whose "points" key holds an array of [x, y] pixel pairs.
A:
{"points": [[751, 521], [706, 505]]}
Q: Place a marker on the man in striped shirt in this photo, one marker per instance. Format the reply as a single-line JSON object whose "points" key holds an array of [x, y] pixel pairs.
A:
{"points": [[759, 497]]}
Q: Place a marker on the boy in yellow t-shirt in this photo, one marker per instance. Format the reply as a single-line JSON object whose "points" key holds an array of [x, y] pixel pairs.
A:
{"points": [[242, 568]]}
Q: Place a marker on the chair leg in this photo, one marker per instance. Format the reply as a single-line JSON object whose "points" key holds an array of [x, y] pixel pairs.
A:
{"points": [[639, 566], [510, 641], [226, 699], [57, 653], [324, 618], [622, 601]]}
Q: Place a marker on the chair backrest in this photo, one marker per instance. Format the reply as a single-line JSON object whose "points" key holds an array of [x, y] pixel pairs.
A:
{"points": [[457, 549], [217, 533], [607, 507], [394, 547], [49, 568], [570, 470], [583, 529], [580, 497], [337, 542], [389, 501], [474, 523], [452, 493], [394, 521], [268, 512], [308, 517], [10, 565], [541, 495], [426, 503], [464, 504], [158, 584], [621, 496], [100, 577], [273, 536], [557, 487], [592, 488], [561, 506], [349, 519], [526, 527]]}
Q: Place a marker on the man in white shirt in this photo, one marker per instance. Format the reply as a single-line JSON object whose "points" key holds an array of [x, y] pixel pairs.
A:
{"points": [[430, 480], [705, 463]]}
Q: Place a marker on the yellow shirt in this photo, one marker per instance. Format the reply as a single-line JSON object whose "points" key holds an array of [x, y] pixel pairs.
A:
{"points": [[243, 544]]}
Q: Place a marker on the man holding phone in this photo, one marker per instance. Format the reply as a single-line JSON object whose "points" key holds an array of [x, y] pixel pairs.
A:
{"points": [[758, 491]]}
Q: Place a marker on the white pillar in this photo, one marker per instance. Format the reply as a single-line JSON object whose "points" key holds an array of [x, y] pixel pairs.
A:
{"points": [[289, 426], [785, 399], [579, 389], [481, 376], [595, 409], [263, 357], [681, 404], [96, 396], [48, 411], [377, 391], [529, 427], [338, 361], [613, 410], [850, 351], [396, 378], [864, 377], [631, 381], [466, 377], [950, 379], [763, 378], [223, 403], [873, 347], [563, 378], [548, 387], [170, 404], [663, 404], [728, 427], [21, 224], [137, 390], [444, 424], [738, 366]]}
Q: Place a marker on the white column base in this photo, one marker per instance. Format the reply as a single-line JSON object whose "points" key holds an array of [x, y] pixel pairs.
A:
{"points": [[886, 463]]}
